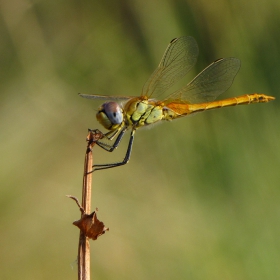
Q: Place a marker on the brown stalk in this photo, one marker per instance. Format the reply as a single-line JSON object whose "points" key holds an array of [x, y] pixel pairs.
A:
{"points": [[90, 226], [84, 245]]}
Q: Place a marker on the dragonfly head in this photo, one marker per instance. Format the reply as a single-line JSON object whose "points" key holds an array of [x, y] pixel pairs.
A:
{"points": [[110, 115]]}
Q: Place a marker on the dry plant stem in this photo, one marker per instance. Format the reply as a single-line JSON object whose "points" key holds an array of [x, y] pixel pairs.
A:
{"points": [[84, 246]]}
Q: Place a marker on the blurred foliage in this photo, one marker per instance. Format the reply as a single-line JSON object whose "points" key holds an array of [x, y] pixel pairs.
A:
{"points": [[200, 196]]}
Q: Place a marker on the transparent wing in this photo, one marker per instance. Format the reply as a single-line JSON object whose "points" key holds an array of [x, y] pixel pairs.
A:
{"points": [[209, 83], [179, 57], [106, 97]]}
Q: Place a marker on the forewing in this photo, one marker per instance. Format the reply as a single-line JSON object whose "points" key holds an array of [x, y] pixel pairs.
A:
{"points": [[179, 57], [105, 97], [208, 84]]}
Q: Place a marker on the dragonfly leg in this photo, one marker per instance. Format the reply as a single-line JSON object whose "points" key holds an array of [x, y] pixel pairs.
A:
{"points": [[111, 148], [125, 160]]}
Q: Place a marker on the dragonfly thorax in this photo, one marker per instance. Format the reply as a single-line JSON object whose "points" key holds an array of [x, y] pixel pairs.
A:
{"points": [[142, 111], [110, 115]]}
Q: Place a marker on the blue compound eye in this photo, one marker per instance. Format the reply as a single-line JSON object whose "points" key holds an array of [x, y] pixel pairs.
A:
{"points": [[110, 115], [113, 111]]}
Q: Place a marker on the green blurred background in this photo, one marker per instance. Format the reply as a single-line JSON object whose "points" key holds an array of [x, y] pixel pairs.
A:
{"points": [[200, 196]]}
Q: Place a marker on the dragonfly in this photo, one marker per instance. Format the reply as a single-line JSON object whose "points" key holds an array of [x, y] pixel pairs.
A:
{"points": [[121, 113]]}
